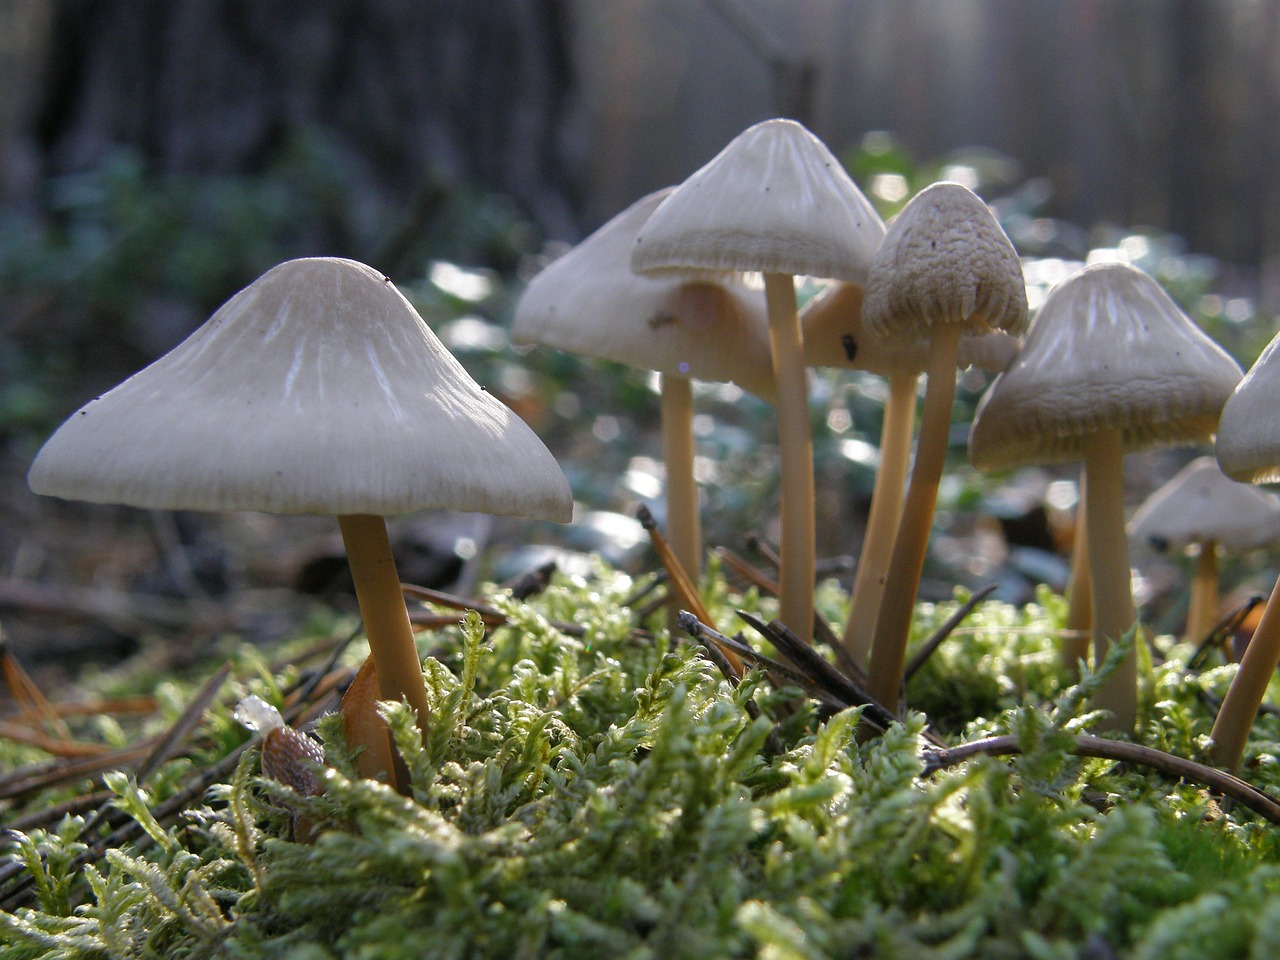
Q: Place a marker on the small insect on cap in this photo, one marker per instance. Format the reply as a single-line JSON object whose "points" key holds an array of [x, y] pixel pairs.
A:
{"points": [[316, 389]]}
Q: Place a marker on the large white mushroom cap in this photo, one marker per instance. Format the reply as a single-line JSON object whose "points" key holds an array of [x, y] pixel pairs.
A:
{"points": [[1248, 443], [775, 200], [1200, 504], [590, 302], [316, 389], [1108, 349]]}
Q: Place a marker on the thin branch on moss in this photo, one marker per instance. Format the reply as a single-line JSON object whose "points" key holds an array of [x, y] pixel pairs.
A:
{"points": [[1084, 745]]}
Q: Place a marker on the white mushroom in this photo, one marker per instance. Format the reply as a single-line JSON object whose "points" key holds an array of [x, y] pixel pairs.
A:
{"points": [[1111, 365], [945, 269], [1248, 449], [774, 200], [711, 327], [1202, 510], [316, 389]]}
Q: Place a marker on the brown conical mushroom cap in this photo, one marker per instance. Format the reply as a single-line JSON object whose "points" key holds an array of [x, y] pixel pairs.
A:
{"points": [[1109, 348], [1200, 504], [590, 302], [945, 259], [835, 335], [1248, 443], [316, 389], [774, 200]]}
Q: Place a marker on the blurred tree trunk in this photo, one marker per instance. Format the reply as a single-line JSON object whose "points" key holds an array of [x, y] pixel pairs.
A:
{"points": [[450, 90]]}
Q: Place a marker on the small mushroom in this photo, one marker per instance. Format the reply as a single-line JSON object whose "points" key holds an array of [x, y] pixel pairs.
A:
{"points": [[316, 389], [709, 327], [774, 200], [1201, 510], [835, 336], [1248, 449], [945, 269], [1111, 365]]}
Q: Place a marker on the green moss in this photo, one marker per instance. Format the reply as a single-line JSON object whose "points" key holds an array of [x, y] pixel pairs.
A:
{"points": [[609, 795]]}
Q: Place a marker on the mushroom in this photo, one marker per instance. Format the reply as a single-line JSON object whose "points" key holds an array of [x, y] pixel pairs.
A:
{"points": [[710, 327], [316, 389], [945, 269], [1200, 509], [835, 336], [774, 200], [1248, 449], [1111, 365]]}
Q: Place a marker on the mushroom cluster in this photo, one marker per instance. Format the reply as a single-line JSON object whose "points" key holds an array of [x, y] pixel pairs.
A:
{"points": [[318, 389]]}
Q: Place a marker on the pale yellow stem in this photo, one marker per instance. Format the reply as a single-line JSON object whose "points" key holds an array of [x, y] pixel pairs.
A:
{"points": [[893, 625], [386, 618], [683, 527], [1202, 608], [1244, 696], [1075, 646], [795, 447], [1113, 611], [883, 517]]}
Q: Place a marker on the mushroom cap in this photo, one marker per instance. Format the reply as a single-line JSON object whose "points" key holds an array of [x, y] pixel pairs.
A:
{"points": [[945, 259], [774, 200], [591, 302], [1109, 349], [1201, 504], [316, 389], [1248, 443], [836, 336]]}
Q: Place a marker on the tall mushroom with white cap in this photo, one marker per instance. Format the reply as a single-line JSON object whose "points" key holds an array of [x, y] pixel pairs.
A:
{"points": [[1111, 365], [1248, 449], [945, 269], [316, 389], [835, 336], [1202, 510], [774, 200], [711, 327]]}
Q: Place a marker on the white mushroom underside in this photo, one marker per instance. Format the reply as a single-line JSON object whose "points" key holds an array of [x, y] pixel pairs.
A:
{"points": [[326, 394]]}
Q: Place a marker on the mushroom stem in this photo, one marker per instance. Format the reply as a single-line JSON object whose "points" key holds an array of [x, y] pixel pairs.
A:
{"points": [[1075, 647], [1113, 611], [1244, 696], [883, 518], [797, 540], [893, 625], [1202, 609], [684, 531], [386, 618]]}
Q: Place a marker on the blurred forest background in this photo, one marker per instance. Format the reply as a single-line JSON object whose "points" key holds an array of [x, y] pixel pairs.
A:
{"points": [[157, 156]]}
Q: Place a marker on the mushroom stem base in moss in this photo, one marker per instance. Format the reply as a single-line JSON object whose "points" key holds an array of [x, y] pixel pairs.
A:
{"points": [[1113, 611], [893, 625], [883, 518], [382, 606], [795, 446], [1244, 696]]}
